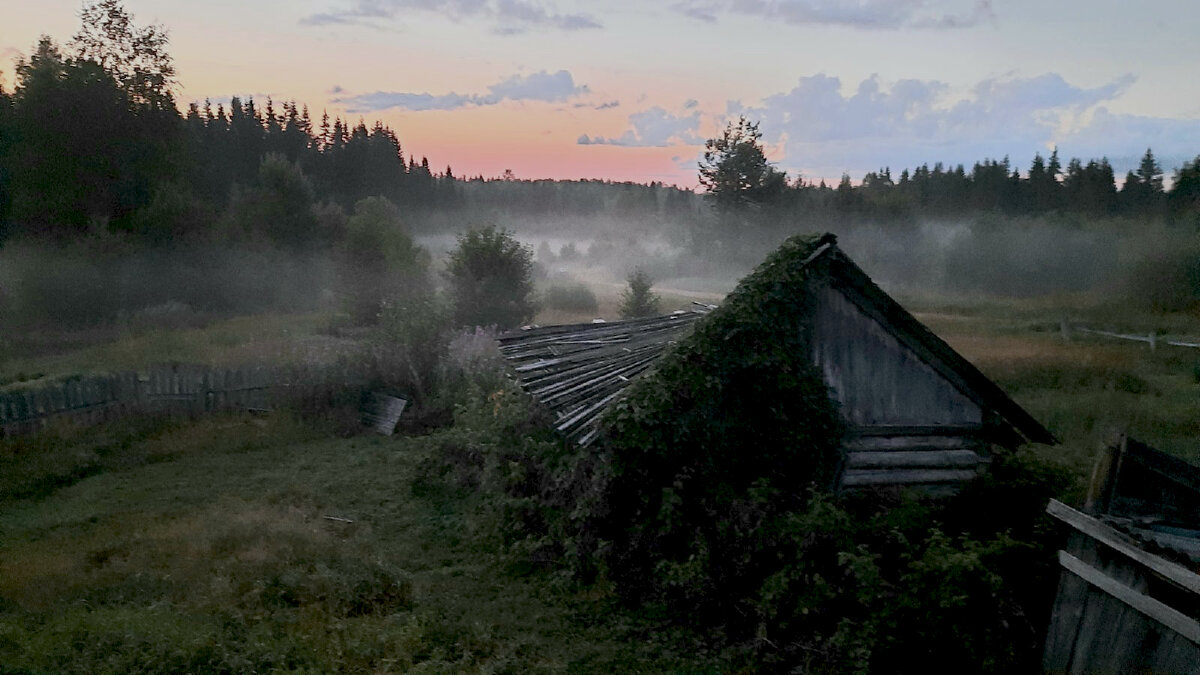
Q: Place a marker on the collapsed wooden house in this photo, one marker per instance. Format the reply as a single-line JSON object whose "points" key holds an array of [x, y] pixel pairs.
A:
{"points": [[917, 413], [1129, 596]]}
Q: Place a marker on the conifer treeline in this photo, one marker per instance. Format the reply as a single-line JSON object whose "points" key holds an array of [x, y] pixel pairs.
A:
{"points": [[1089, 189], [91, 140]]}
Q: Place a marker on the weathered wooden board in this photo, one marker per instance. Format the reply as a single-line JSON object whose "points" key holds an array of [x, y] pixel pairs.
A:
{"points": [[876, 379], [1119, 608]]}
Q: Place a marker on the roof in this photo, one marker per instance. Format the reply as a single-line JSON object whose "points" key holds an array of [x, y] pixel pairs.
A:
{"points": [[1149, 495], [578, 370]]}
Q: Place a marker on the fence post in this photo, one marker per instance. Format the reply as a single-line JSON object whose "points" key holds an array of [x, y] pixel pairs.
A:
{"points": [[1153, 341], [1066, 330]]}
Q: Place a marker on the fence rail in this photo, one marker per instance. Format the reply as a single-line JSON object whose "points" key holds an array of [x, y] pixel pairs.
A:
{"points": [[1152, 338], [170, 388]]}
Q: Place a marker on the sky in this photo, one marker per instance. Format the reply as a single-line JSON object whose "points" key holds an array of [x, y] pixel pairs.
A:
{"points": [[630, 89]]}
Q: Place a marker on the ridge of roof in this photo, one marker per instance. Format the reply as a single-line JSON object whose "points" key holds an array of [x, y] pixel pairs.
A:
{"points": [[578, 369]]}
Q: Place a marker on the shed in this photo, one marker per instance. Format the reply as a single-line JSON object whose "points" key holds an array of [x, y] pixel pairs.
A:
{"points": [[916, 412]]}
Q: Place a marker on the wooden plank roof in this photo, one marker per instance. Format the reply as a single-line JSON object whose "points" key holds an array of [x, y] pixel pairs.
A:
{"points": [[577, 370]]}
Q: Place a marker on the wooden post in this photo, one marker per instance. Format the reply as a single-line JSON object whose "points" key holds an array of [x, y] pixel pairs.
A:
{"points": [[1066, 329], [1153, 341]]}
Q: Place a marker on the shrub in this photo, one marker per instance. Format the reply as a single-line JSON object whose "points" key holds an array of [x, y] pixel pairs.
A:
{"points": [[574, 297], [380, 262], [700, 467], [1168, 281], [490, 275], [637, 301], [277, 209]]}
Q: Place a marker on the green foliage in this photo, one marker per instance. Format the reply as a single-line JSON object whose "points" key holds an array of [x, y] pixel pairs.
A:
{"points": [[411, 341], [637, 301], [172, 215], [1168, 280], [71, 173], [136, 57], [709, 498], [723, 440], [570, 297], [278, 209], [490, 275], [735, 170], [380, 263]]}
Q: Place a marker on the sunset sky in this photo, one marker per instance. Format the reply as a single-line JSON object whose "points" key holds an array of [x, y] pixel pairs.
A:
{"points": [[629, 90]]}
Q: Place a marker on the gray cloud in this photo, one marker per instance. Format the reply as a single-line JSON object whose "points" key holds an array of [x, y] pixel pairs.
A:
{"points": [[607, 105], [911, 122], [655, 127], [508, 17], [540, 86], [876, 14]]}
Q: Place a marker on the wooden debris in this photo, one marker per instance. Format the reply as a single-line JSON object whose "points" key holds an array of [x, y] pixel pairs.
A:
{"points": [[382, 413], [577, 370]]}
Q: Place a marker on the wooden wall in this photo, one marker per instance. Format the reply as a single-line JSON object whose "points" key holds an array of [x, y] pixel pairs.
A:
{"points": [[908, 424], [877, 380], [1120, 608]]}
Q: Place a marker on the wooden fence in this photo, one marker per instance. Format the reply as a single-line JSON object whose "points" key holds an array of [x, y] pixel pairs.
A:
{"points": [[163, 389], [1119, 607], [1152, 338]]}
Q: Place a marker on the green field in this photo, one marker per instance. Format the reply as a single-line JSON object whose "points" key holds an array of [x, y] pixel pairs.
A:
{"points": [[237, 543]]}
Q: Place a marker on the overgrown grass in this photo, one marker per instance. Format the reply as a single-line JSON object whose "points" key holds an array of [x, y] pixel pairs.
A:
{"points": [[270, 338], [204, 546], [250, 544], [1085, 389]]}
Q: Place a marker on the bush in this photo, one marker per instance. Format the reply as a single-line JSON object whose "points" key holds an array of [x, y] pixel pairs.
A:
{"points": [[380, 262], [700, 467], [1168, 281], [574, 297], [491, 279], [637, 301]]}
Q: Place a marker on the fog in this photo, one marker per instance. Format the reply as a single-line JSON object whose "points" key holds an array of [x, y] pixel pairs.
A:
{"points": [[87, 285]]}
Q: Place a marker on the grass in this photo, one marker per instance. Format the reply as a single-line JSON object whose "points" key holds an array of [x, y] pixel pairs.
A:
{"points": [[270, 338], [1087, 389], [205, 546], [208, 549]]}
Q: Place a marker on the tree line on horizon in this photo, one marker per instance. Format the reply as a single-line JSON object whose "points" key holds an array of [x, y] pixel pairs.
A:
{"points": [[738, 178], [91, 140]]}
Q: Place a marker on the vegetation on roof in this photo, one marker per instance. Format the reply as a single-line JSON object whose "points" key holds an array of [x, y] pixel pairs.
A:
{"points": [[725, 437], [707, 498]]}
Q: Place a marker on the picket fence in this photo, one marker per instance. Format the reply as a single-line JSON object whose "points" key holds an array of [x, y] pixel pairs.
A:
{"points": [[163, 389]]}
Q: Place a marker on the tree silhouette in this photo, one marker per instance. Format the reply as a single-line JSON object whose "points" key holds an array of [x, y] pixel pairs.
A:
{"points": [[137, 58], [735, 170]]}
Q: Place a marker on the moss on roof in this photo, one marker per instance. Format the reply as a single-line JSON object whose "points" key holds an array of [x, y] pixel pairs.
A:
{"points": [[733, 412]]}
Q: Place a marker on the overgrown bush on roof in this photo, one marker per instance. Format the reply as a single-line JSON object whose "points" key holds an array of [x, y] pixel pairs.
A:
{"points": [[710, 498], [724, 437]]}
